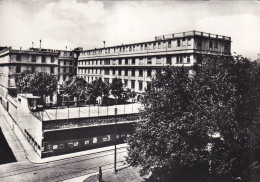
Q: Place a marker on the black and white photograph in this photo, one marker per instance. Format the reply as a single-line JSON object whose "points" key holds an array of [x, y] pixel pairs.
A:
{"points": [[129, 91]]}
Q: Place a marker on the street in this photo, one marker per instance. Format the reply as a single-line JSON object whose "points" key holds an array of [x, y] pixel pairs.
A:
{"points": [[57, 170], [62, 169]]}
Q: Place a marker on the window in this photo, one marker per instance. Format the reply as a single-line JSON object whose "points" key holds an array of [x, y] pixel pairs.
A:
{"points": [[178, 43], [141, 61], [140, 86], [199, 43], [133, 84], [120, 61], [188, 59], [18, 69], [52, 69], [189, 42], [106, 138], [126, 61], [149, 72], [159, 60], [114, 71], [52, 59], [149, 61], [159, 46], [65, 62], [133, 61], [179, 59], [216, 45], [18, 57], [86, 142], [76, 144], [33, 58], [141, 48], [133, 72], [148, 87], [70, 144], [126, 72], [33, 69], [140, 73], [106, 71], [169, 44], [210, 44], [126, 83], [119, 72], [54, 147], [183, 42], [154, 46], [168, 60], [43, 59], [61, 146], [95, 140], [107, 62]]}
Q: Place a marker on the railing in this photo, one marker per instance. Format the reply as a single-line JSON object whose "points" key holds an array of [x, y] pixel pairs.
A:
{"points": [[83, 122]]}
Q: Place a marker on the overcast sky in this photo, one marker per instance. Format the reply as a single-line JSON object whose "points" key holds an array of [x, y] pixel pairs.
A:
{"points": [[88, 23]]}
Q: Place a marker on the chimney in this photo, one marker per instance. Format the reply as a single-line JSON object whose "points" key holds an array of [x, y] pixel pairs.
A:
{"points": [[66, 47], [20, 48], [104, 43], [32, 44], [40, 44]]}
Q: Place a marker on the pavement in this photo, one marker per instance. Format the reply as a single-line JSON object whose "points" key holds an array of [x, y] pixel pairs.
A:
{"points": [[22, 149]]}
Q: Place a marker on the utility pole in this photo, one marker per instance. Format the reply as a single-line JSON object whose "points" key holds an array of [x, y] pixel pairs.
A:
{"points": [[115, 170]]}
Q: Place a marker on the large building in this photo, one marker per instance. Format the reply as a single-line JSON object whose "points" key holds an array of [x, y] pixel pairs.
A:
{"points": [[136, 63], [14, 62], [60, 63]]}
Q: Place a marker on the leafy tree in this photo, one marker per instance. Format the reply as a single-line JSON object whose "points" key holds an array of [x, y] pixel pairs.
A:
{"points": [[200, 125], [116, 88], [39, 83], [98, 89], [75, 86]]}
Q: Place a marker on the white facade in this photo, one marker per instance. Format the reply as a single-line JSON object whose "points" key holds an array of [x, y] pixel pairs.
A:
{"points": [[136, 63]]}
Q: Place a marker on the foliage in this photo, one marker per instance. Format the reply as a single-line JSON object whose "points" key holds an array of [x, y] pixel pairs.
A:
{"points": [[39, 83], [98, 89], [200, 125], [75, 86], [116, 88]]}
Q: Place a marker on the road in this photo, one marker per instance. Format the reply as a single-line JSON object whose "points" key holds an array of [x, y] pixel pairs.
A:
{"points": [[61, 169], [57, 170]]}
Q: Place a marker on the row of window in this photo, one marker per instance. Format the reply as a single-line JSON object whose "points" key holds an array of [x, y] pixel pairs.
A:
{"points": [[120, 71], [140, 47], [86, 142], [18, 69], [43, 58], [125, 82], [70, 62], [133, 61]]}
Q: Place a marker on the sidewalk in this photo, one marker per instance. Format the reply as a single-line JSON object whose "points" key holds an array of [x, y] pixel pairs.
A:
{"points": [[23, 150], [125, 174]]}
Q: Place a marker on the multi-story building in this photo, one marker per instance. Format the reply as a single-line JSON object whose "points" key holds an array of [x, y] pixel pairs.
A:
{"points": [[136, 63], [14, 62]]}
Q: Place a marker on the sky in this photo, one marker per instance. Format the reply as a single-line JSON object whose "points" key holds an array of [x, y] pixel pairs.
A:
{"points": [[78, 23]]}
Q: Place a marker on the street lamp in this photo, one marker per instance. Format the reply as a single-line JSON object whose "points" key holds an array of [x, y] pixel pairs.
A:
{"points": [[115, 170]]}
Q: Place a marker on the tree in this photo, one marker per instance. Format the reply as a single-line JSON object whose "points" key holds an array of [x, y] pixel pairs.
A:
{"points": [[39, 83], [116, 88], [76, 87], [98, 89], [200, 125]]}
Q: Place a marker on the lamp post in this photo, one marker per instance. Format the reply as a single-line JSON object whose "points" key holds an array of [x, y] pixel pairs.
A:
{"points": [[115, 170]]}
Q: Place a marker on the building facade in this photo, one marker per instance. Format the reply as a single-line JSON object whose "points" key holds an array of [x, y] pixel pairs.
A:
{"points": [[136, 63], [14, 62]]}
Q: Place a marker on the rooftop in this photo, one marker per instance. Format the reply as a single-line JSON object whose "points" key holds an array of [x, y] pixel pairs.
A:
{"points": [[86, 112]]}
